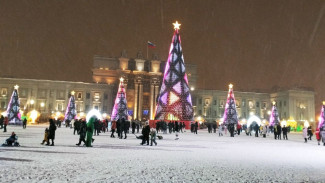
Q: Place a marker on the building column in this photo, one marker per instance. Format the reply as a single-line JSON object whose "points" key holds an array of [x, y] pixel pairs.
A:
{"points": [[135, 111], [155, 98], [152, 101], [140, 101]]}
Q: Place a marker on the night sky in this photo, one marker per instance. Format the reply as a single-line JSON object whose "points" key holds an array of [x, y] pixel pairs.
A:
{"points": [[253, 44]]}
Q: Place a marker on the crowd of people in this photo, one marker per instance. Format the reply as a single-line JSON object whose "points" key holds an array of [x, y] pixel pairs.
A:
{"points": [[86, 130]]}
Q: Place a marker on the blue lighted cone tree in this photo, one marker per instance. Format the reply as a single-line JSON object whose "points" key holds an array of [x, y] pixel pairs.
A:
{"points": [[13, 108], [230, 115], [321, 123], [274, 118], [120, 109], [174, 101], [70, 112]]}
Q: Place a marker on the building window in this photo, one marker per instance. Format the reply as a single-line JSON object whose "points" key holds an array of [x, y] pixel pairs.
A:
{"points": [[87, 108], [243, 103], [87, 95], [96, 96], [207, 101], [79, 95], [215, 102], [3, 105], [200, 112], [4, 91], [222, 103], [257, 104], [96, 107], [60, 107], [214, 113], [104, 108], [23, 93], [200, 101], [105, 96], [51, 93], [250, 104], [61, 95], [264, 105]]}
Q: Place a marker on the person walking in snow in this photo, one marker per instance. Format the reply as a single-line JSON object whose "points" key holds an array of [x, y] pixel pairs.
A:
{"points": [[318, 136], [82, 133], [196, 126], [51, 135], [90, 131], [113, 127], [145, 133], [285, 132], [220, 130], [322, 134], [153, 136], [310, 132], [304, 134]]}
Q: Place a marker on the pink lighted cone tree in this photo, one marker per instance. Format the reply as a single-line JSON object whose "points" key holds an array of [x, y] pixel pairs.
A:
{"points": [[174, 102], [13, 112], [120, 109], [70, 112], [322, 117], [274, 118], [230, 114]]}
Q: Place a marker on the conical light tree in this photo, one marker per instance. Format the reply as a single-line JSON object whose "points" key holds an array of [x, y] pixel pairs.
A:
{"points": [[13, 108], [230, 114], [120, 109], [322, 117], [70, 112], [174, 101], [274, 118]]}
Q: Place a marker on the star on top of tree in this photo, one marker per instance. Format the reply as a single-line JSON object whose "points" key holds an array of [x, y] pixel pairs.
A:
{"points": [[176, 25]]}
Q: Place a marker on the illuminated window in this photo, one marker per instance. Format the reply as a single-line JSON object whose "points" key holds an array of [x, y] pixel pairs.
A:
{"points": [[79, 95], [250, 104], [3, 91], [96, 96]]}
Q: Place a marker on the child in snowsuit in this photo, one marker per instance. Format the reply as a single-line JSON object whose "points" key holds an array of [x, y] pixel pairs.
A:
{"points": [[45, 135], [153, 136]]}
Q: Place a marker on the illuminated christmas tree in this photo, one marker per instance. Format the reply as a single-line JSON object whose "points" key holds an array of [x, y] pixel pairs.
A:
{"points": [[274, 118], [13, 108], [120, 109], [70, 112], [174, 102], [230, 114], [322, 117]]}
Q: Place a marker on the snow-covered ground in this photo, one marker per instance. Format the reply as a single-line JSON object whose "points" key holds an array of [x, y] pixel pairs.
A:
{"points": [[193, 158]]}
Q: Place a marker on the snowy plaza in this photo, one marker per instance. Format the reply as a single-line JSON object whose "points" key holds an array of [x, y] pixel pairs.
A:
{"points": [[193, 158]]}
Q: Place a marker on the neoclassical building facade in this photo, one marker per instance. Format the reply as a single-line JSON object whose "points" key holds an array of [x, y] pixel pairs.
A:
{"points": [[142, 79]]}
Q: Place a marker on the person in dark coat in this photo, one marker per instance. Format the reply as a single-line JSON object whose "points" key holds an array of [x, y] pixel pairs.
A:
{"points": [[24, 123], [122, 126], [51, 135], [138, 126], [133, 126], [118, 128], [214, 127], [113, 127], [82, 133], [196, 126], [1, 121], [11, 139], [96, 125], [256, 129], [279, 130], [126, 127], [231, 130], [145, 133], [284, 132], [309, 132], [76, 127], [5, 123], [170, 127]]}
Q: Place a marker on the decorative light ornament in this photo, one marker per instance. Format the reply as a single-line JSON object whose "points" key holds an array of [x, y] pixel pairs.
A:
{"points": [[16, 87], [323, 102], [176, 25], [73, 92], [121, 79], [273, 102], [230, 86]]}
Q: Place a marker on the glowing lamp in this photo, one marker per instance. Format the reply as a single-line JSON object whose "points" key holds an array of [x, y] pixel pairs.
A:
{"points": [[192, 88], [104, 115], [81, 114], [323, 102], [269, 112], [16, 87], [42, 104], [4, 113], [32, 102], [251, 113], [176, 25], [306, 124], [73, 92], [319, 118], [33, 115]]}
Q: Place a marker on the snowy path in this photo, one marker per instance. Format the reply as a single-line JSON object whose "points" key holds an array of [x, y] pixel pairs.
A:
{"points": [[193, 158]]}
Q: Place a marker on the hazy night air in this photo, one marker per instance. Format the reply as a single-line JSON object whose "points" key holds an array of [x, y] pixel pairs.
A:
{"points": [[256, 45]]}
